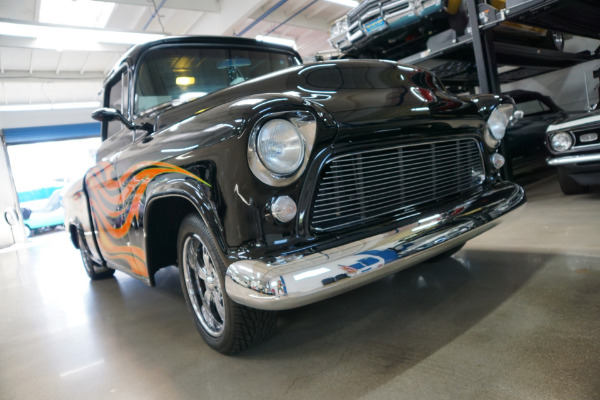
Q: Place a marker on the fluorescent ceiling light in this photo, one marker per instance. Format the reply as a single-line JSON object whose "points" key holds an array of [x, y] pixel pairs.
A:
{"points": [[88, 13], [50, 106], [61, 38], [347, 3], [185, 80], [284, 42]]}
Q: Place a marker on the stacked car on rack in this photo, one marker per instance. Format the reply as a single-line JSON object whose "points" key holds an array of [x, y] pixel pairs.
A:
{"points": [[400, 28]]}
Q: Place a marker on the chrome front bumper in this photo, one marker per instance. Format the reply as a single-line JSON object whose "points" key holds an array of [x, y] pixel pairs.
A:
{"points": [[303, 279], [573, 159]]}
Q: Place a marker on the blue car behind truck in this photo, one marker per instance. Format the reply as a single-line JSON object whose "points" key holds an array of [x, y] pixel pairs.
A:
{"points": [[40, 211]]}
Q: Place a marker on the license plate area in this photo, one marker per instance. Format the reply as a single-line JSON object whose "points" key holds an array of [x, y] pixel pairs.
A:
{"points": [[375, 26]]}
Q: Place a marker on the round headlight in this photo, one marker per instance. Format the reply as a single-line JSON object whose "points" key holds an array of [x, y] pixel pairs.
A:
{"points": [[561, 141], [280, 146], [497, 123]]}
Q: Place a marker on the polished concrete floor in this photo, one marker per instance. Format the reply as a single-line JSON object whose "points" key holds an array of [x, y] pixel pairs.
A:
{"points": [[514, 315]]}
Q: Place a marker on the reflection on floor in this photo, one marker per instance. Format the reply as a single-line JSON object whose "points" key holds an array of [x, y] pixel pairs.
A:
{"points": [[514, 315]]}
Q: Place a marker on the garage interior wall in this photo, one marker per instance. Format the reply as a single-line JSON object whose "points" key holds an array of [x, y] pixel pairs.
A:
{"points": [[8, 201]]}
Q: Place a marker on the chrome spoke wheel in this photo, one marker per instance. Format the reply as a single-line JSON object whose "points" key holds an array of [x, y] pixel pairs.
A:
{"points": [[224, 325], [203, 285]]}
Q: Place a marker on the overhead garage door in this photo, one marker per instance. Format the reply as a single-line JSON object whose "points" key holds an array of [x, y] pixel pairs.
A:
{"points": [[50, 133]]}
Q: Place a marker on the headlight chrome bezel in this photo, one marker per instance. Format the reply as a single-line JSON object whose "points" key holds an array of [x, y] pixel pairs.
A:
{"points": [[496, 124], [305, 125], [568, 135]]}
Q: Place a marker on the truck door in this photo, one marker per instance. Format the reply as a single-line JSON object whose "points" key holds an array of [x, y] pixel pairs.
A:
{"points": [[106, 186]]}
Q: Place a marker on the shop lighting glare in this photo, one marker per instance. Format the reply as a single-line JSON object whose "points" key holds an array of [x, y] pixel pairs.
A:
{"points": [[85, 13], [347, 3], [274, 40], [50, 106], [65, 38]]}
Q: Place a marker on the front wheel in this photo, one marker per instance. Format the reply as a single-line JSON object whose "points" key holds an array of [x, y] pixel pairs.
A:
{"points": [[225, 326]]}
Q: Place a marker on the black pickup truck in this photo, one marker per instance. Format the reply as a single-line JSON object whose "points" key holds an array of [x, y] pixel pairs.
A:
{"points": [[273, 184]]}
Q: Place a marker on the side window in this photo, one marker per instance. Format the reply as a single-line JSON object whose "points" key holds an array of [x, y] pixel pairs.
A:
{"points": [[118, 99], [532, 107]]}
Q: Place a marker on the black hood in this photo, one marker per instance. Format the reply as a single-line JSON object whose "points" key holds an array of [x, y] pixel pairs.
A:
{"points": [[350, 90], [572, 119]]}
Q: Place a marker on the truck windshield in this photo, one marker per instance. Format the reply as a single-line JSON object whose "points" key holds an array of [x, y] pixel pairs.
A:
{"points": [[183, 73]]}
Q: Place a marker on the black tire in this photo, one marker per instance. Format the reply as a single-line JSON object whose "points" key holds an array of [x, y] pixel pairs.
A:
{"points": [[446, 254], [224, 325], [568, 185], [94, 270]]}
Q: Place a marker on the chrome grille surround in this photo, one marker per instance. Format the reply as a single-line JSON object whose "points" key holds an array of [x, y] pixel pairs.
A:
{"points": [[363, 8], [394, 182]]}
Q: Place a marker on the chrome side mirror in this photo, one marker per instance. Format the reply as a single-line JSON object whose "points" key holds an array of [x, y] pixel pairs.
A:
{"points": [[107, 114]]}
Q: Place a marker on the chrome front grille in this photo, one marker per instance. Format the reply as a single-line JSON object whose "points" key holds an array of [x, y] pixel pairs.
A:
{"points": [[394, 182], [394, 7], [364, 8]]}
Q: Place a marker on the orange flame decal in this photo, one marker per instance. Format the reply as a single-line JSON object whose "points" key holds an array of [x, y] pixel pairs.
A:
{"points": [[117, 202]]}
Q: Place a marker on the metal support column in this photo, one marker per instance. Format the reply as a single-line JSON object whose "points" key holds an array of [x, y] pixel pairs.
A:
{"points": [[485, 55], [487, 68]]}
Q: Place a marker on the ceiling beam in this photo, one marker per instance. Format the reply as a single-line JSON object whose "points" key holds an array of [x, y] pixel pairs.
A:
{"points": [[58, 63], [67, 76], [24, 10], [31, 63], [29, 43], [194, 5], [233, 13], [82, 70], [301, 21], [60, 37]]}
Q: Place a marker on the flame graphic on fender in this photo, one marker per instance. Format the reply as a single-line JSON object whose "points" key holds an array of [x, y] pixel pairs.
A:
{"points": [[115, 203]]}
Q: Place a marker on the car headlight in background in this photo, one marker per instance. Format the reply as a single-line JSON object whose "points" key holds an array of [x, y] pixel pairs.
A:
{"points": [[339, 27], [280, 145], [497, 123], [561, 141]]}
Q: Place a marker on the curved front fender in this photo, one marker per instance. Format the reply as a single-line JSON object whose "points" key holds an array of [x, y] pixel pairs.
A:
{"points": [[195, 193]]}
